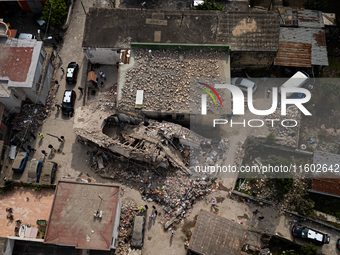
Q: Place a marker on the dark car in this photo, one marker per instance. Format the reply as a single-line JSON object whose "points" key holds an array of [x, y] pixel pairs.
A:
{"points": [[72, 72], [138, 232], [338, 244], [20, 162], [69, 99], [49, 173], [310, 234]]}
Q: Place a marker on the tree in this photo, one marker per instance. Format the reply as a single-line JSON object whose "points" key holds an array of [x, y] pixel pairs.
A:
{"points": [[210, 5], [309, 249], [59, 10], [270, 138], [315, 4]]}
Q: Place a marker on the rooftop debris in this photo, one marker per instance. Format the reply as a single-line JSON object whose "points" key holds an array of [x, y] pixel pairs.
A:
{"points": [[166, 79]]}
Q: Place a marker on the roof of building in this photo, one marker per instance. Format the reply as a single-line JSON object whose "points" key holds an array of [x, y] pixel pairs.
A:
{"points": [[28, 212], [18, 61], [294, 54], [214, 235], [327, 186], [310, 18], [244, 31], [300, 18], [314, 36], [39, 248], [72, 221], [170, 85], [324, 157]]}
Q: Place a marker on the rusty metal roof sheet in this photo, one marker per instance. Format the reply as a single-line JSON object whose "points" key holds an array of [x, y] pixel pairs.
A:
{"points": [[294, 54], [314, 36], [310, 18], [329, 186], [214, 235], [71, 220]]}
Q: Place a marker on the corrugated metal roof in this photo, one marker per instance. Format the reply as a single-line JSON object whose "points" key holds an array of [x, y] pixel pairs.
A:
{"points": [[310, 18], [330, 186], [308, 35], [294, 54]]}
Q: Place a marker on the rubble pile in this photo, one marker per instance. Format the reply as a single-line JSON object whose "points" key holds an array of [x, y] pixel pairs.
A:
{"points": [[210, 153], [127, 214], [285, 135], [171, 188], [28, 120], [165, 78]]}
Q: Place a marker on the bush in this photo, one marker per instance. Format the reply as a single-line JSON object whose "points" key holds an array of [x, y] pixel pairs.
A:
{"points": [[270, 138], [59, 10], [309, 249], [319, 5], [210, 5]]}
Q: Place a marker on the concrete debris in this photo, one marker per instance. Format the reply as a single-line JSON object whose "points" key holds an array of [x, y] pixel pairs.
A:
{"points": [[165, 79], [128, 211], [28, 120], [159, 144], [288, 135]]}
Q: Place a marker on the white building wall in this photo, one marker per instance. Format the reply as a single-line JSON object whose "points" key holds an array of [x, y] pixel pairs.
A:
{"points": [[102, 56]]}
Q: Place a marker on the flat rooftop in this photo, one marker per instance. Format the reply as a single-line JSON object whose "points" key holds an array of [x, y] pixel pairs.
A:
{"points": [[38, 207], [168, 83], [18, 61], [244, 31], [71, 220], [215, 235]]}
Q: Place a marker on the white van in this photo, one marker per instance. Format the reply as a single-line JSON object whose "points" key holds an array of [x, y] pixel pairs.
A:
{"points": [[296, 81]]}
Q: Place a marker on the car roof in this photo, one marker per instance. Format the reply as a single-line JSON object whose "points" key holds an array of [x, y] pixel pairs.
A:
{"points": [[70, 72], [244, 82], [67, 96], [25, 36], [315, 235]]}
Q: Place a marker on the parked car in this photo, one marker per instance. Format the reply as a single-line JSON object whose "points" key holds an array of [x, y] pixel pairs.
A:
{"points": [[26, 36], [34, 171], [20, 162], [49, 172], [310, 234], [69, 99], [338, 244], [138, 232], [72, 72], [244, 84]]}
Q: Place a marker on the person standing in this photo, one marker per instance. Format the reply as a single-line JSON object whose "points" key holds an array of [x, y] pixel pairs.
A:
{"points": [[30, 148], [62, 138], [81, 89], [255, 212], [103, 76], [57, 84], [34, 137], [62, 69], [41, 136], [58, 106], [261, 217], [44, 152]]}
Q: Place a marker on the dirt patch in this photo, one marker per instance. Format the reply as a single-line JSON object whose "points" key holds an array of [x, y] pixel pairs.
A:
{"points": [[219, 199], [244, 217], [188, 225], [221, 187]]}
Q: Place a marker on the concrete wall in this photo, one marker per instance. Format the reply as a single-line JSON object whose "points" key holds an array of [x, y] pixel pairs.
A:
{"points": [[252, 59], [102, 56]]}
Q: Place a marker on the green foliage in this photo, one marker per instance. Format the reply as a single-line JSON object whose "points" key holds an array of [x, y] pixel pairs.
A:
{"points": [[59, 10], [210, 5], [304, 206], [315, 4], [290, 252], [270, 138], [309, 249]]}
